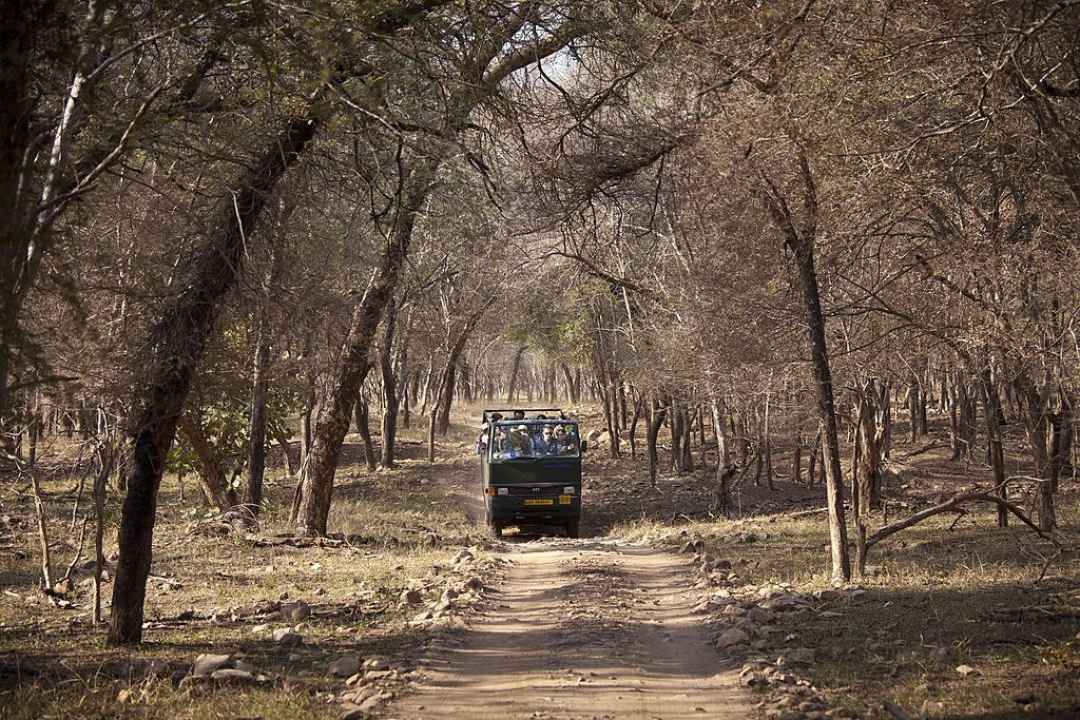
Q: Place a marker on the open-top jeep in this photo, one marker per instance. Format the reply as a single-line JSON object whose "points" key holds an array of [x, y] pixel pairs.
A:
{"points": [[530, 464]]}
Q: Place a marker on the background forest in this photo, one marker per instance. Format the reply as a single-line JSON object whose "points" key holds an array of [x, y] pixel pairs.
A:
{"points": [[748, 242]]}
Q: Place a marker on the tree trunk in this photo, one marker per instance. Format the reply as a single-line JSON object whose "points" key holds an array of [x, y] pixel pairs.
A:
{"points": [[883, 419], [515, 370], [742, 441], [180, 339], [812, 460], [362, 421], [389, 384], [860, 505], [638, 407], [424, 395], [317, 486], [702, 436], [1034, 408], [33, 431], [257, 424], [801, 242], [621, 395], [446, 399], [796, 460], [675, 418], [656, 419], [305, 422], [924, 428], [962, 413], [105, 459], [872, 413], [759, 456], [915, 401], [282, 439], [611, 415], [768, 436], [212, 475], [724, 470], [263, 338], [1062, 440], [446, 377], [995, 442], [688, 436], [571, 386]]}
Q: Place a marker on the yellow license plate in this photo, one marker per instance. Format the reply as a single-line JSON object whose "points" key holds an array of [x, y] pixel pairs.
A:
{"points": [[565, 500], [539, 501]]}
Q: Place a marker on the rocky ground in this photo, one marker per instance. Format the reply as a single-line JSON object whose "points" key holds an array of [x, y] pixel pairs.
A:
{"points": [[582, 629], [668, 609]]}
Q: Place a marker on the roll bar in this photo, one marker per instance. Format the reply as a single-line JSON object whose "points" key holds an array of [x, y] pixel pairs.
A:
{"points": [[524, 410]]}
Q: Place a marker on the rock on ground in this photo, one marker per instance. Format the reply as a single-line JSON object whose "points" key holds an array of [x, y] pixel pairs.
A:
{"points": [[345, 666]]}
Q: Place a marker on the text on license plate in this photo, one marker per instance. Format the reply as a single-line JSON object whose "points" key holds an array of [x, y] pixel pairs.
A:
{"points": [[539, 501]]}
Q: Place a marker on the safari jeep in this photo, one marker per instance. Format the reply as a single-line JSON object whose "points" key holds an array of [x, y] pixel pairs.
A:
{"points": [[530, 463]]}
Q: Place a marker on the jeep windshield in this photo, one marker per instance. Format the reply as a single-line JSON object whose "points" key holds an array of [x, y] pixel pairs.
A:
{"points": [[533, 439]]}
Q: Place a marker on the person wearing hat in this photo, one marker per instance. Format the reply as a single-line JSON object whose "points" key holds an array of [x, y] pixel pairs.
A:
{"points": [[482, 439], [501, 443], [519, 442]]}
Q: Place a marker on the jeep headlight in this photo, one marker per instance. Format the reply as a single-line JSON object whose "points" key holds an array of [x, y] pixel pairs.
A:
{"points": [[504, 491], [568, 490]]}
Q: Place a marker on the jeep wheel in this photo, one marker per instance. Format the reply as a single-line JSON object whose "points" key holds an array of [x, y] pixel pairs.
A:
{"points": [[495, 529], [573, 529]]}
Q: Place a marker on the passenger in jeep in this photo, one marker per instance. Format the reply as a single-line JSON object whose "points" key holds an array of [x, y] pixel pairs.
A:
{"points": [[545, 441], [567, 442]]}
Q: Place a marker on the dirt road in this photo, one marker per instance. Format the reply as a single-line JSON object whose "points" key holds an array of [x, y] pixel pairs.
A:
{"points": [[581, 629]]}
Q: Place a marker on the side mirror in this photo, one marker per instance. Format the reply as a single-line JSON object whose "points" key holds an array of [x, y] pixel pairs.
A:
{"points": [[584, 445]]}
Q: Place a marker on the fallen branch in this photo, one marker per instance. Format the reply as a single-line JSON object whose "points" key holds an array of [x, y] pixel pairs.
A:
{"points": [[923, 449], [960, 513], [804, 513], [953, 504], [78, 500], [1046, 565], [78, 555], [43, 534]]}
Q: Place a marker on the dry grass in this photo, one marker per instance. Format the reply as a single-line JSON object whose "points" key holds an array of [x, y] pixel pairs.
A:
{"points": [[942, 595], [398, 524], [945, 593]]}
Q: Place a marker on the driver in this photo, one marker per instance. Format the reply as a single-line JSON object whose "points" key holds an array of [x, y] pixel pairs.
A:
{"points": [[501, 444], [519, 442]]}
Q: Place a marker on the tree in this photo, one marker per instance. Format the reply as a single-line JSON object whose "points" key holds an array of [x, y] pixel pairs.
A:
{"points": [[79, 102], [480, 67]]}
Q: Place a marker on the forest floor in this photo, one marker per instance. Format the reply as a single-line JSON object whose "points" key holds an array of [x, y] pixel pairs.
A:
{"points": [[666, 610]]}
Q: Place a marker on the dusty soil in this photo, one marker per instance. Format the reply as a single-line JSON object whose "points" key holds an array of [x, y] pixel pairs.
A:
{"points": [[581, 629]]}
